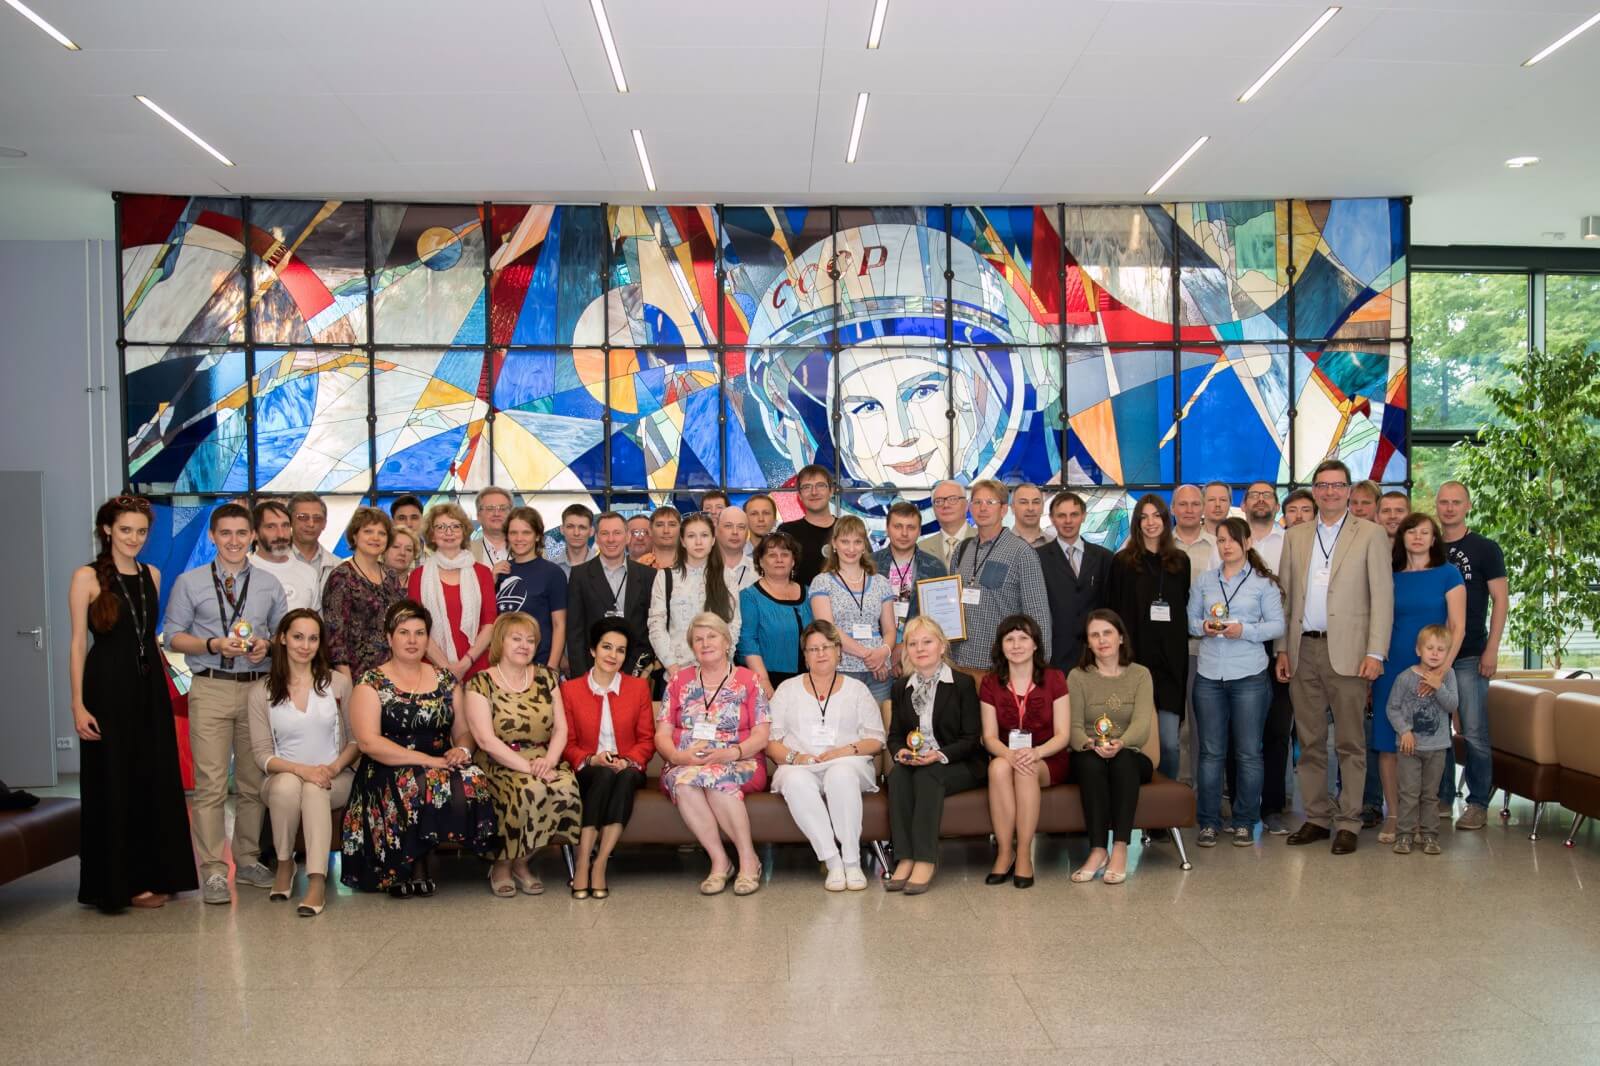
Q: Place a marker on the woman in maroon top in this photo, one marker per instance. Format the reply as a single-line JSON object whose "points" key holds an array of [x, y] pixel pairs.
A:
{"points": [[457, 591], [1023, 704], [610, 738]]}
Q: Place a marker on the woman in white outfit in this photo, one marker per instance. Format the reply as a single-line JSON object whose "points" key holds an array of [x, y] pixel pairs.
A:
{"points": [[826, 728], [300, 737]]}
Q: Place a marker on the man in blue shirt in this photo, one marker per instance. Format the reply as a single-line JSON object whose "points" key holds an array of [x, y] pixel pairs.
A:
{"points": [[221, 617]]}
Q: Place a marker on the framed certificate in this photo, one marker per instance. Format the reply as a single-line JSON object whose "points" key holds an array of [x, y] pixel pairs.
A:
{"points": [[939, 598]]}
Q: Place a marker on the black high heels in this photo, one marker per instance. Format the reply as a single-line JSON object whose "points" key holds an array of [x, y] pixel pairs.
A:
{"points": [[1000, 879]]}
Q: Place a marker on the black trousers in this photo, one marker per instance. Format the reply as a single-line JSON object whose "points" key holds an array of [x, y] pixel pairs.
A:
{"points": [[608, 795], [916, 804], [1275, 751], [1110, 792]]}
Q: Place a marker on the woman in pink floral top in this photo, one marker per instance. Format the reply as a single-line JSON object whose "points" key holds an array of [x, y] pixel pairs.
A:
{"points": [[712, 731]]}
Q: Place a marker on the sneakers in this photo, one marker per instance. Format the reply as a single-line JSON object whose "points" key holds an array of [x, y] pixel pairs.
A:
{"points": [[256, 875], [835, 881], [854, 879], [1244, 837], [1276, 825], [1473, 818], [1430, 844], [1402, 844], [1208, 837], [215, 890]]}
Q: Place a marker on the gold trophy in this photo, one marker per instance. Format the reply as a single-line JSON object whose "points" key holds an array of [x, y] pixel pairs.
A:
{"points": [[242, 630], [1104, 731], [1218, 620], [916, 742]]}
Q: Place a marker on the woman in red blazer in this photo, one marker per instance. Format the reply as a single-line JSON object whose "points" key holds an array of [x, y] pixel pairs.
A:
{"points": [[610, 738]]}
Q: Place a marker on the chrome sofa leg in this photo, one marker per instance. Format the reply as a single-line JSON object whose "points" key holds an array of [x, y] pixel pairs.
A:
{"points": [[1577, 820], [1183, 856], [1538, 812], [570, 853], [882, 852]]}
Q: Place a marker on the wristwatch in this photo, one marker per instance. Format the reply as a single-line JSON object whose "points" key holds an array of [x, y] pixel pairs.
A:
{"points": [[791, 757]]}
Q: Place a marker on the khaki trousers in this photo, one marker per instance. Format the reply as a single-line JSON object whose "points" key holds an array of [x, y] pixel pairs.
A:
{"points": [[299, 804], [219, 734], [1314, 688]]}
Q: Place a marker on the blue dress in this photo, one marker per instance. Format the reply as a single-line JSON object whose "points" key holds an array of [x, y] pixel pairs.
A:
{"points": [[1419, 600]]}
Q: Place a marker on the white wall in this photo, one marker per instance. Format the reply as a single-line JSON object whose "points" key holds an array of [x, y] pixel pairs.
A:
{"points": [[60, 412]]}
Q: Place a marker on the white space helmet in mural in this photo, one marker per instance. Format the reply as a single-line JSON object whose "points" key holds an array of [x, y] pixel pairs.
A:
{"points": [[895, 375]]}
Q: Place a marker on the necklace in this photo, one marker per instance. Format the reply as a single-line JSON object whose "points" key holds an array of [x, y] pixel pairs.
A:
{"points": [[520, 685]]}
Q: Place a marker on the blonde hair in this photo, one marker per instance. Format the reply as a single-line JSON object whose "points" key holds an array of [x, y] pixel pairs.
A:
{"points": [[1434, 632], [991, 486], [847, 526], [509, 620], [922, 623], [445, 509], [397, 531], [714, 622]]}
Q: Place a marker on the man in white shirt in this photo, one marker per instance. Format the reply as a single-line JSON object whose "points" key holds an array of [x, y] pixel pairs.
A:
{"points": [[274, 537], [1027, 507], [733, 536], [1189, 530], [489, 547], [309, 516], [950, 509], [1261, 511], [577, 522]]}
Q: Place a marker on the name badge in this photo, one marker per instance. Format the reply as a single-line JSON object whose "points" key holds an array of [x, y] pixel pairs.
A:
{"points": [[972, 596], [704, 730], [821, 738], [902, 609], [613, 612], [1319, 578], [1161, 611], [1019, 739], [861, 632]]}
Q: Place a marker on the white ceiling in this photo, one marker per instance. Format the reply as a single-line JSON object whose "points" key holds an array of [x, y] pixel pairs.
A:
{"points": [[986, 101]]}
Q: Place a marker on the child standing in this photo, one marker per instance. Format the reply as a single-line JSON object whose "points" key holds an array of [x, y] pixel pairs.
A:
{"points": [[1421, 704]]}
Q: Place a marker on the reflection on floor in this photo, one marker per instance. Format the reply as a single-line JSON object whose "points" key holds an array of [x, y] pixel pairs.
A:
{"points": [[1489, 953]]}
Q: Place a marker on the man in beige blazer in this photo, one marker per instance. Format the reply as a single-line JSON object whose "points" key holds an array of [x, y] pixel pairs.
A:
{"points": [[1338, 584]]}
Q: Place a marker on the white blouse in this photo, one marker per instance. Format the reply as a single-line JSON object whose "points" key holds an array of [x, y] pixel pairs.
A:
{"points": [[798, 721], [671, 642], [310, 736]]}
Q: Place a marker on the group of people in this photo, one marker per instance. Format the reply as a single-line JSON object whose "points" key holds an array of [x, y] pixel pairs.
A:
{"points": [[447, 682]]}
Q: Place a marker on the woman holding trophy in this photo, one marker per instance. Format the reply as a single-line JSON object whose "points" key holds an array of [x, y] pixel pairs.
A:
{"points": [[1236, 610], [935, 733], [1114, 741]]}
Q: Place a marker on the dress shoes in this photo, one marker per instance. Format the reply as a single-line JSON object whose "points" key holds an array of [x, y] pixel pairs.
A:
{"points": [[1344, 842], [1308, 833]]}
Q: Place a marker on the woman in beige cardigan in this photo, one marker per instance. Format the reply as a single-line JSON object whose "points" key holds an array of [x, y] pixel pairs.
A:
{"points": [[300, 737]]}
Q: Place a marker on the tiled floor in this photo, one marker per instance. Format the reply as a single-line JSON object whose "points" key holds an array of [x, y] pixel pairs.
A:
{"points": [[1489, 953]]}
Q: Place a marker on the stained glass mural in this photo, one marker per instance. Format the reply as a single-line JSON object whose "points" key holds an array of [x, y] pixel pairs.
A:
{"points": [[660, 351]]}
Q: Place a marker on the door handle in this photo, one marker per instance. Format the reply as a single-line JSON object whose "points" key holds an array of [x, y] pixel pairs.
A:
{"points": [[37, 633]]}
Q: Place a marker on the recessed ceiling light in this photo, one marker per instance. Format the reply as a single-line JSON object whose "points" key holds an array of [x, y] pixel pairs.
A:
{"points": [[600, 20], [1570, 34], [1322, 20], [1173, 169], [855, 128], [879, 11], [644, 160], [185, 130], [32, 16], [12, 153], [1517, 162]]}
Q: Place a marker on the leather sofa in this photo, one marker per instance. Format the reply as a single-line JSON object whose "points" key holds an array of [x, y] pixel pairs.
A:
{"points": [[1522, 740], [38, 837], [1577, 724]]}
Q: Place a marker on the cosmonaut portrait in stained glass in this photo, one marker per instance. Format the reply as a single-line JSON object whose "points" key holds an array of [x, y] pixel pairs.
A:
{"points": [[646, 351]]}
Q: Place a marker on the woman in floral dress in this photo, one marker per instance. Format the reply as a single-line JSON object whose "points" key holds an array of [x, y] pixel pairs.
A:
{"points": [[415, 786], [514, 709], [712, 731]]}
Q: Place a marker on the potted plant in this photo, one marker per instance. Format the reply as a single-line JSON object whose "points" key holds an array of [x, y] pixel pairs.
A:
{"points": [[1534, 475]]}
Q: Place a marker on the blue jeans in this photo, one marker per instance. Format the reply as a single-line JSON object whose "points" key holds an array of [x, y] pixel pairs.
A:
{"points": [[1168, 724], [1237, 709], [1473, 688], [879, 689]]}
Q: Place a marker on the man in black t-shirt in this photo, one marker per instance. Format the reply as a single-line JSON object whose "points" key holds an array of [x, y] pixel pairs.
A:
{"points": [[1483, 566], [814, 528]]}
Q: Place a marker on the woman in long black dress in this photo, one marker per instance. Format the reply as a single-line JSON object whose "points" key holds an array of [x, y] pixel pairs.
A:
{"points": [[415, 785], [134, 844]]}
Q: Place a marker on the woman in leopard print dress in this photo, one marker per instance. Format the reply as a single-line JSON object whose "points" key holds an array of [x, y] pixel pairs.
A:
{"points": [[514, 709]]}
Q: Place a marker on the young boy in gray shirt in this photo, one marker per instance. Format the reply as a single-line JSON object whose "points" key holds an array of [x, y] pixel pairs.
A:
{"points": [[1422, 724]]}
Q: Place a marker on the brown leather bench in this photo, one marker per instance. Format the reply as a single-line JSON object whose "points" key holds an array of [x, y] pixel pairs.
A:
{"points": [[1578, 743], [1522, 740], [38, 837]]}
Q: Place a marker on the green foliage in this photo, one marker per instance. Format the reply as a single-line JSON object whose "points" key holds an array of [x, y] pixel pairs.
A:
{"points": [[1466, 328], [1534, 476]]}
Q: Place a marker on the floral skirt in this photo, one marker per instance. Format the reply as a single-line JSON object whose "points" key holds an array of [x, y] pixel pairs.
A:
{"points": [[746, 775], [397, 814]]}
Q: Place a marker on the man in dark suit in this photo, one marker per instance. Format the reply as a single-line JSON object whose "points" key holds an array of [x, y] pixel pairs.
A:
{"points": [[609, 584], [1075, 577]]}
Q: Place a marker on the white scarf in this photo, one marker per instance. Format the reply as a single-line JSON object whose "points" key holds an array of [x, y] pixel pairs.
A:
{"points": [[433, 598]]}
